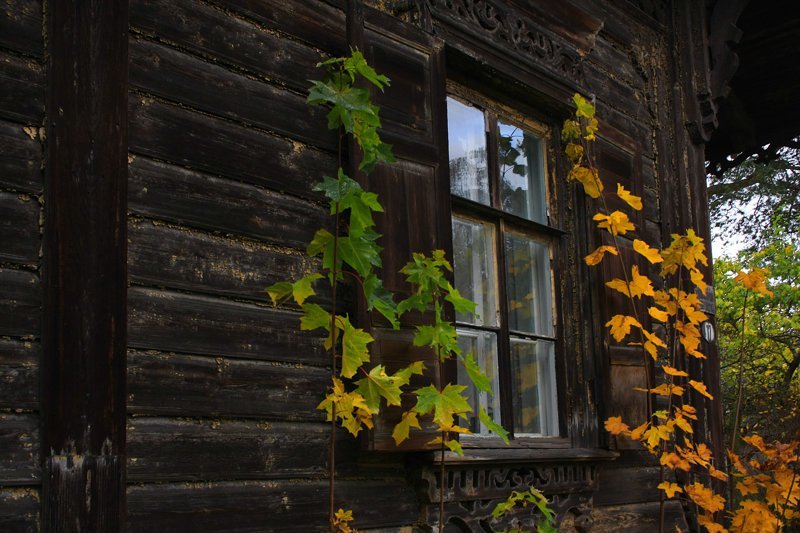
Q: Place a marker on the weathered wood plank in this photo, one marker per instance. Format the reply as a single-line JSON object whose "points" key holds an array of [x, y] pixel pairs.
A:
{"points": [[638, 518], [214, 33], [180, 136], [20, 303], [184, 385], [174, 194], [21, 89], [19, 374], [183, 259], [164, 449], [171, 321], [312, 21], [21, 26], [266, 506], [20, 158], [179, 77], [19, 449], [19, 228], [618, 486], [19, 510]]}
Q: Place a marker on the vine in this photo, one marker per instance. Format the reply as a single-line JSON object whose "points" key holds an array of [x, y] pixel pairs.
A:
{"points": [[770, 473], [350, 253]]}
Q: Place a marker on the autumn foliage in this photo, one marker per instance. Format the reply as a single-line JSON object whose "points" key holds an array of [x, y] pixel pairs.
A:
{"points": [[765, 479]]}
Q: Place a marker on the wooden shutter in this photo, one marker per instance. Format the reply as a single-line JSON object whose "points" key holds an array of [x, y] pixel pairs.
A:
{"points": [[414, 191], [625, 362]]}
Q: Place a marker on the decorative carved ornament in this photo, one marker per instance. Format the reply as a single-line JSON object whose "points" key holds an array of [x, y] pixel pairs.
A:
{"points": [[471, 494], [499, 25]]}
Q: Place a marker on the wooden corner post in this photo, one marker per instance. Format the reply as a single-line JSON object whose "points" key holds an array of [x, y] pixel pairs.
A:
{"points": [[84, 267]]}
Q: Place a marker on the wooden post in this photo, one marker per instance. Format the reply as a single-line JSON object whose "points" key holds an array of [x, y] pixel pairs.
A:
{"points": [[84, 267]]}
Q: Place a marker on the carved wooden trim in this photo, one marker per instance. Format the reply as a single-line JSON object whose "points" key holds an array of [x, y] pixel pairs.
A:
{"points": [[472, 493], [499, 25]]}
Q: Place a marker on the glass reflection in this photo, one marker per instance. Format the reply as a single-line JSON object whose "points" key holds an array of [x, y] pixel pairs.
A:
{"points": [[466, 132], [533, 387], [522, 184], [483, 346], [529, 290], [474, 269]]}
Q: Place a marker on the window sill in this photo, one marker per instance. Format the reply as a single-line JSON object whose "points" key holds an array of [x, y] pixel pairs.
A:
{"points": [[474, 456]]}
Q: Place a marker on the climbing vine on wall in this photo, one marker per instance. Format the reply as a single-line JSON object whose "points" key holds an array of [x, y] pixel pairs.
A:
{"points": [[767, 481], [350, 253]]}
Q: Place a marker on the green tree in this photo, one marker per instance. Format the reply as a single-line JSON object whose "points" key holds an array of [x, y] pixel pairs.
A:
{"points": [[760, 337], [757, 197]]}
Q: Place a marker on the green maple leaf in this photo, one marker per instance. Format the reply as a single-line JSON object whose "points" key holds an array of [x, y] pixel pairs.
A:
{"points": [[460, 304], [446, 405], [279, 292], [415, 368], [380, 299], [354, 347], [303, 288], [476, 375], [493, 426], [360, 253], [403, 428], [378, 384], [455, 446], [442, 337], [314, 317], [336, 189], [322, 243]]}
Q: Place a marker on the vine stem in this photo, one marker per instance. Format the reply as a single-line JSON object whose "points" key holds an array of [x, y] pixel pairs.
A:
{"points": [[740, 391], [617, 247], [334, 282]]}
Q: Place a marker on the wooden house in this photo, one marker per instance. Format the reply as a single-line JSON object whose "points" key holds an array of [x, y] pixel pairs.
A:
{"points": [[157, 159]]}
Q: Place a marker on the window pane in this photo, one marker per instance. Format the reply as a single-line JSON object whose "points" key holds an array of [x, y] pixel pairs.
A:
{"points": [[483, 346], [466, 132], [522, 190], [533, 387], [474, 269], [529, 288]]}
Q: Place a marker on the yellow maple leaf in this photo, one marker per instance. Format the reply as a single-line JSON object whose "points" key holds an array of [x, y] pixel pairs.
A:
{"points": [[673, 461], [651, 254], [673, 371], [595, 257], [698, 280], [626, 196], [669, 488], [754, 517], [717, 473], [747, 486], [705, 498], [688, 411], [615, 426], [617, 223], [638, 431], [620, 326], [656, 434], [639, 285], [707, 521], [701, 388], [658, 314], [682, 423], [663, 390], [755, 280], [588, 178]]}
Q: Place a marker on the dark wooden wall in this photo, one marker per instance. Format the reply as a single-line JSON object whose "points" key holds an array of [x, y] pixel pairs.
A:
{"points": [[222, 431], [22, 97]]}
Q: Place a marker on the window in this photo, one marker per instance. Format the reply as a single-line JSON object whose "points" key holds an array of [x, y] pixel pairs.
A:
{"points": [[502, 247]]}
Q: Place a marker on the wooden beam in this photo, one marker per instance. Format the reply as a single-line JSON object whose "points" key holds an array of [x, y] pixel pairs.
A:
{"points": [[84, 267]]}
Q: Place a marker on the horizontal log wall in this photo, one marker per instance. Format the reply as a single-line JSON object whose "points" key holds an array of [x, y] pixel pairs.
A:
{"points": [[223, 431], [22, 95]]}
